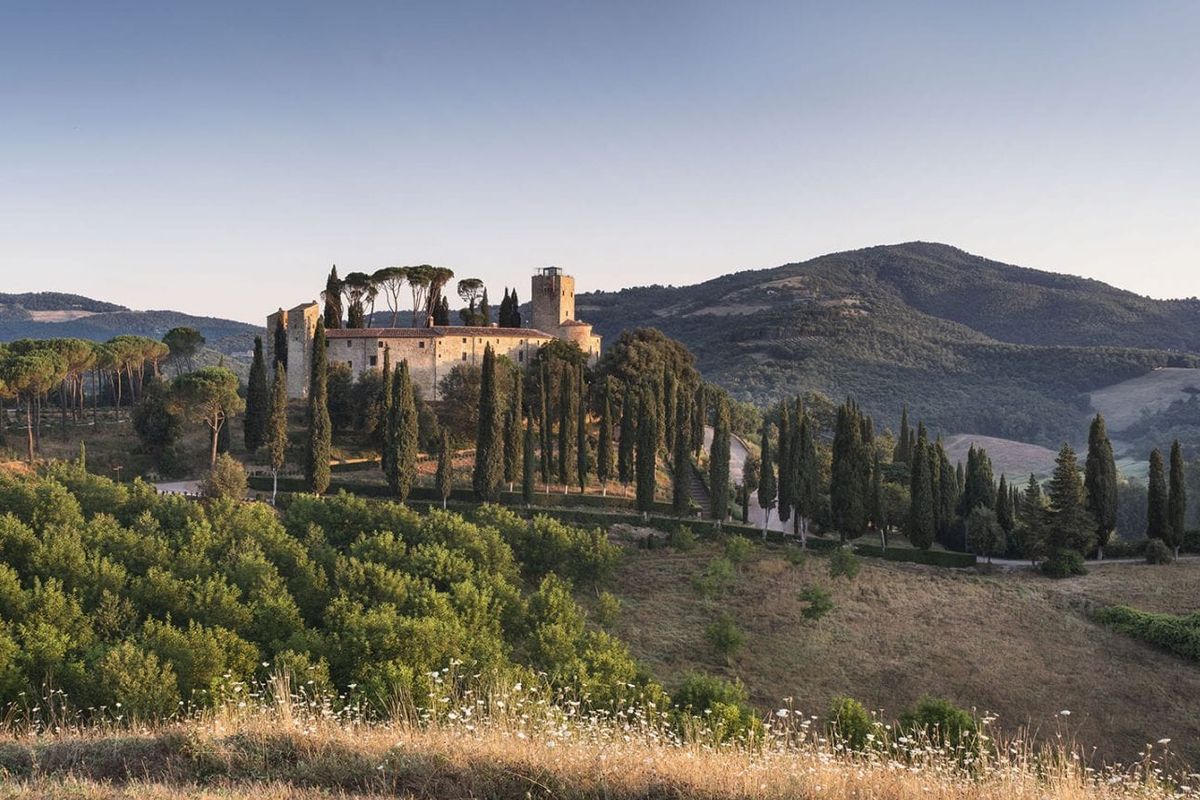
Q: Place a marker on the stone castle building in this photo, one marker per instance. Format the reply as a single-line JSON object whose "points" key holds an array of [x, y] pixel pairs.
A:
{"points": [[433, 351]]}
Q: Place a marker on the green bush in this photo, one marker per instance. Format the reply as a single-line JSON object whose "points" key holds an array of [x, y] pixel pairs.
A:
{"points": [[850, 724], [1063, 563], [682, 539], [819, 602], [714, 578], [1177, 634], [608, 608], [227, 478], [843, 562], [942, 724], [724, 636], [794, 555], [738, 549], [1157, 552], [716, 707]]}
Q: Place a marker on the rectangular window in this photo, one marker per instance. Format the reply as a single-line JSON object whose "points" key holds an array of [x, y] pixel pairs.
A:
{"points": [[464, 356], [381, 344], [350, 364], [464, 340], [374, 360], [521, 356], [421, 345], [349, 343]]}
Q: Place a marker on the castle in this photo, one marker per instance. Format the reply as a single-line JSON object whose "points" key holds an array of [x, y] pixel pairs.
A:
{"points": [[433, 351]]}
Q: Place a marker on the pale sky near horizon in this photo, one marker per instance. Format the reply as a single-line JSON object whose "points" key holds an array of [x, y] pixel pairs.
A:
{"points": [[216, 158]]}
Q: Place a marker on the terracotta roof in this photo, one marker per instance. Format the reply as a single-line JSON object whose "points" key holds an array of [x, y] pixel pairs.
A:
{"points": [[437, 330], [574, 323]]}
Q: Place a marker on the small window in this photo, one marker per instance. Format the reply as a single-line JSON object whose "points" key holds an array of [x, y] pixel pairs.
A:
{"points": [[381, 344], [421, 344], [464, 340], [349, 343], [374, 360], [350, 364], [464, 356], [521, 356]]}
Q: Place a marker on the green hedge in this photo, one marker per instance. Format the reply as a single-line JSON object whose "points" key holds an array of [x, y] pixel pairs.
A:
{"points": [[933, 558], [1179, 635]]}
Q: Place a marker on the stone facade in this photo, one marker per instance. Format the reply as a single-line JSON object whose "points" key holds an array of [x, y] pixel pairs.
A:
{"points": [[433, 351]]}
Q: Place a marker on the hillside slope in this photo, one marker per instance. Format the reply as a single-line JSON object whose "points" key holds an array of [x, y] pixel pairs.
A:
{"points": [[969, 344], [46, 315], [1022, 647]]}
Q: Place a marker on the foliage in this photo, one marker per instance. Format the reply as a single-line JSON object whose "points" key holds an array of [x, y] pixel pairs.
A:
{"points": [[489, 444], [319, 435], [682, 538], [849, 723], [209, 396], [158, 426], [258, 401], [1177, 634], [1157, 552], [724, 636], [646, 461], [819, 602], [226, 479], [715, 578], [738, 549], [720, 705], [984, 533], [843, 563], [942, 724], [718, 461], [1063, 563], [608, 609]]}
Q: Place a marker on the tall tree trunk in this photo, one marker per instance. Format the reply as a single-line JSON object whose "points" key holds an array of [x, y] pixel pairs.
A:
{"points": [[62, 397], [274, 484], [29, 430], [212, 458], [95, 398]]}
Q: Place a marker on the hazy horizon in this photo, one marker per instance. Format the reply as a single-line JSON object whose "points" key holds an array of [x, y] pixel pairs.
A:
{"points": [[217, 159]]}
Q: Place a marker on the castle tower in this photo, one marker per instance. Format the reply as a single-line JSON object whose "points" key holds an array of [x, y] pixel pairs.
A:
{"points": [[553, 299]]}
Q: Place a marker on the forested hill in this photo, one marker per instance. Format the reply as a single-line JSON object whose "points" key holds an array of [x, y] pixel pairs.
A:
{"points": [[969, 344], [45, 315]]}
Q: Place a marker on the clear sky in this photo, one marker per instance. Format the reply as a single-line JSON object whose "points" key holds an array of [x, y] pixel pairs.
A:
{"points": [[216, 157]]}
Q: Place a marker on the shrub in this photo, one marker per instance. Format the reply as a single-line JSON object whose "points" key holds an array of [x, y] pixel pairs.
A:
{"points": [[1063, 563], [942, 724], [819, 602], [850, 724], [608, 608], [716, 707], [227, 478], [715, 577], [738, 548], [795, 555], [842, 561], [1157, 552], [725, 636], [682, 539], [1179, 635], [134, 678]]}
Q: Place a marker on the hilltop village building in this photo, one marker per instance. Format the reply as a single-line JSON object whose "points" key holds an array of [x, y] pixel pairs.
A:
{"points": [[434, 350]]}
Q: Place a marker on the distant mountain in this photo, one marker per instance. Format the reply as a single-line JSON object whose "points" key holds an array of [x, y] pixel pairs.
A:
{"points": [[969, 344], [45, 315]]}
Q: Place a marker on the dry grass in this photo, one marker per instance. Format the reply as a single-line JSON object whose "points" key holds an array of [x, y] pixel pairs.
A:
{"points": [[1021, 648], [527, 749]]}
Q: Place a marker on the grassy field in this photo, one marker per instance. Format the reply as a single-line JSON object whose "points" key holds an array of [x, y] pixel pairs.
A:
{"points": [[1122, 404], [1018, 646], [486, 749]]}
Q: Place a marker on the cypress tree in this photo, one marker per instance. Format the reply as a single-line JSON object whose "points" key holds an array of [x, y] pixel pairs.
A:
{"points": [[625, 447], [784, 455], [1156, 508], [445, 469], [681, 468], [699, 419], [766, 478], [604, 445], [489, 450], [441, 315], [485, 310], [403, 435], [527, 473], [647, 450], [1100, 482], [258, 401], [807, 478], [568, 409], [903, 452], [281, 344], [544, 420], [718, 460], [514, 311], [385, 411], [1072, 527], [1031, 521], [875, 506], [920, 511], [583, 453], [277, 434], [503, 317], [320, 431], [851, 472], [333, 300], [670, 427], [1004, 509], [947, 497], [513, 439], [1176, 500]]}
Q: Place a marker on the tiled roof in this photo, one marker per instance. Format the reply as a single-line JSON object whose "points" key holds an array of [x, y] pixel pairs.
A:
{"points": [[437, 330]]}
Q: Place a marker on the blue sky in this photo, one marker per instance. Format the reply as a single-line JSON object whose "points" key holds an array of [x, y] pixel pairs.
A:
{"points": [[217, 157]]}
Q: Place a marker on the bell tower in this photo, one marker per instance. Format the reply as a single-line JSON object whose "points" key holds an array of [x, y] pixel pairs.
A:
{"points": [[553, 299]]}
